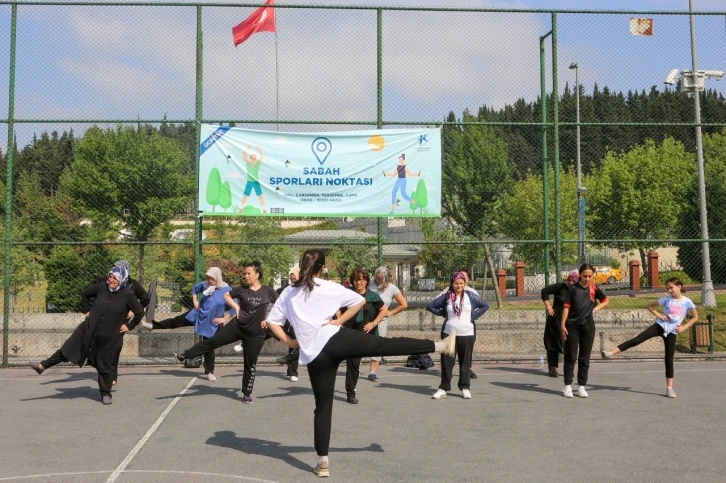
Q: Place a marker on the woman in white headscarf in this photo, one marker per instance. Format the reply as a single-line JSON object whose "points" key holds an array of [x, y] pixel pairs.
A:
{"points": [[100, 338], [207, 316]]}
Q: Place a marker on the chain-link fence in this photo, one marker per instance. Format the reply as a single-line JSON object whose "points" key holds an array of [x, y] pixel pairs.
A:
{"points": [[559, 145]]}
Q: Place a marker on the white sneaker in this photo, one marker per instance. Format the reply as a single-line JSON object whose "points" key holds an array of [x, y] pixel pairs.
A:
{"points": [[238, 348], [606, 354], [567, 392], [439, 394], [670, 392], [466, 394], [211, 378], [293, 379], [147, 325], [581, 392]]}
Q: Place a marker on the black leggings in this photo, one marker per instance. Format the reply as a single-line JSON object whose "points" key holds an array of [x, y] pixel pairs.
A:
{"points": [[655, 330], [105, 380], [464, 351], [578, 347], [349, 344], [181, 321], [232, 332]]}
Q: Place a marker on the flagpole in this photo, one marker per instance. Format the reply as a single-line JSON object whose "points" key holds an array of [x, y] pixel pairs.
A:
{"points": [[277, 78]]}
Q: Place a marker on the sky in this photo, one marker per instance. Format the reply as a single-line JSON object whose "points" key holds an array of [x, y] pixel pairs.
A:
{"points": [[129, 62]]}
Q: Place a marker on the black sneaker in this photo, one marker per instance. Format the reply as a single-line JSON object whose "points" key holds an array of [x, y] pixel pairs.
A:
{"points": [[36, 367], [180, 356], [352, 399], [553, 372], [472, 375]]}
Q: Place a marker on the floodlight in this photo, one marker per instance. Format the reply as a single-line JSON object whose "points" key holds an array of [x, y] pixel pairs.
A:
{"points": [[671, 77]]}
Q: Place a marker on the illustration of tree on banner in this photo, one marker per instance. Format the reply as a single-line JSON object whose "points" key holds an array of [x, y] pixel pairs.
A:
{"points": [[225, 196], [420, 197], [214, 188]]}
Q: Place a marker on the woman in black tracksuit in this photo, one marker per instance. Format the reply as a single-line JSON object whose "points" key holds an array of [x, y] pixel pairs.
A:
{"points": [[309, 305], [254, 299], [553, 340]]}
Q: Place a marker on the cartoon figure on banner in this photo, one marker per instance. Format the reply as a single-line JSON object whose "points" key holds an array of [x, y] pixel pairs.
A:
{"points": [[401, 172], [252, 165]]}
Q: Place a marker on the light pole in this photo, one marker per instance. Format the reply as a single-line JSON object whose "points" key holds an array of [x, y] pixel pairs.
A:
{"points": [[580, 188]]}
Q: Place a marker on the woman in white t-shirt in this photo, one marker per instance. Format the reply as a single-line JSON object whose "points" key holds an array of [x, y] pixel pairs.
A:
{"points": [[667, 325], [388, 292], [310, 304], [460, 308]]}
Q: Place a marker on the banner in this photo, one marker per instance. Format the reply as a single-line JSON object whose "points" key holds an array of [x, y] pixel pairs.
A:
{"points": [[395, 172]]}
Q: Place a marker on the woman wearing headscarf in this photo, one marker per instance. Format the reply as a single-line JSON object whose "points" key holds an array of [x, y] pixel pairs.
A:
{"points": [[207, 316], [460, 309], [553, 339], [100, 339], [388, 292]]}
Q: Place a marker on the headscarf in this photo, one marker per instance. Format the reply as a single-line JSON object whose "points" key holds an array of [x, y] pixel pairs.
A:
{"points": [[216, 274], [120, 274], [452, 295], [574, 275], [123, 264]]}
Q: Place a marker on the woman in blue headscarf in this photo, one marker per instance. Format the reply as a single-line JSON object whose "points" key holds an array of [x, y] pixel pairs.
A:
{"points": [[100, 339]]}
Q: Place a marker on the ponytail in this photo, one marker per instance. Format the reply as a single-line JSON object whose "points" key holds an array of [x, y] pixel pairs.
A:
{"points": [[312, 263]]}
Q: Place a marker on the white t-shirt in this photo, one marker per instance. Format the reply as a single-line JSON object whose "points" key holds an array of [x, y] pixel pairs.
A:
{"points": [[462, 324], [386, 295], [310, 311], [676, 310]]}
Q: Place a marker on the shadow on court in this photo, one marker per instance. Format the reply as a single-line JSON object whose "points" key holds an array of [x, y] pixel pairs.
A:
{"points": [[82, 392], [273, 449]]}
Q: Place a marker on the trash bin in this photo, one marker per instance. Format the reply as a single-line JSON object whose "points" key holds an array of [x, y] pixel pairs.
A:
{"points": [[702, 335]]}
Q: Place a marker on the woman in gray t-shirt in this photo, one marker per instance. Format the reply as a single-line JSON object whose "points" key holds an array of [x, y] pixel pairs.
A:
{"points": [[388, 292]]}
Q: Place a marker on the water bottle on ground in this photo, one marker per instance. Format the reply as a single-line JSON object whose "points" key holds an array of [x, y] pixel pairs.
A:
{"points": [[541, 361]]}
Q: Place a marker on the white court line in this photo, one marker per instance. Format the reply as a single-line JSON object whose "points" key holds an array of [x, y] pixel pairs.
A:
{"points": [[195, 473], [142, 442]]}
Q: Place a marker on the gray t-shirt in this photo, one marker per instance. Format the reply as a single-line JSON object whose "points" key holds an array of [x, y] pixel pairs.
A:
{"points": [[386, 295]]}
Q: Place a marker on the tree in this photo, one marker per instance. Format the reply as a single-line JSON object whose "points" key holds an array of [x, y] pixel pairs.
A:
{"points": [[225, 196], [129, 178], [441, 260], [348, 257], [520, 217], [639, 194], [689, 254], [70, 270]]}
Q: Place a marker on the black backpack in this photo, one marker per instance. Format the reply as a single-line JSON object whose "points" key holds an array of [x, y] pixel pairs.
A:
{"points": [[422, 361]]}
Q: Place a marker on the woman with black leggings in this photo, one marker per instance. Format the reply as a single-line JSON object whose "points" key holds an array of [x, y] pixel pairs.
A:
{"points": [[310, 304], [254, 298]]}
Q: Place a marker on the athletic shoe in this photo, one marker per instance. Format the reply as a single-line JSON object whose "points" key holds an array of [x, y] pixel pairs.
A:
{"points": [[466, 394], [106, 400], [147, 325], [180, 356], [553, 372], [605, 355], [472, 375], [293, 379], [372, 377], [581, 392], [238, 348], [322, 469], [670, 392], [36, 367], [567, 392], [449, 345], [246, 399], [439, 394], [211, 377], [352, 399]]}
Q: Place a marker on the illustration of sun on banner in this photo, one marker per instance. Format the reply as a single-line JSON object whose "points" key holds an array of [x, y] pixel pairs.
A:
{"points": [[394, 172]]}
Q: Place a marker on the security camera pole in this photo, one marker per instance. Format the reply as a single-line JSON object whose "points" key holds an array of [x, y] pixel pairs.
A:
{"points": [[708, 298]]}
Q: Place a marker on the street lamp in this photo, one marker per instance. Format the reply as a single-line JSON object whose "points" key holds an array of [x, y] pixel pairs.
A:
{"points": [[580, 188], [695, 79]]}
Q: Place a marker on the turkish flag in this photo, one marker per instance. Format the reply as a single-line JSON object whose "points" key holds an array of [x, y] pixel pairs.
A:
{"points": [[261, 20]]}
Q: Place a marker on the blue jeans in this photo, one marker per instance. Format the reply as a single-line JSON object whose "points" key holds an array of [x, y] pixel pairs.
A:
{"points": [[400, 185]]}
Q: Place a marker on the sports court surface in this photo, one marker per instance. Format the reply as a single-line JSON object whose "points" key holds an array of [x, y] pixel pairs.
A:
{"points": [[168, 425]]}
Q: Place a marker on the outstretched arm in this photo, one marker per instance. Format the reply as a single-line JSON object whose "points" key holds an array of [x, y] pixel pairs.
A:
{"points": [[409, 173], [262, 155]]}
